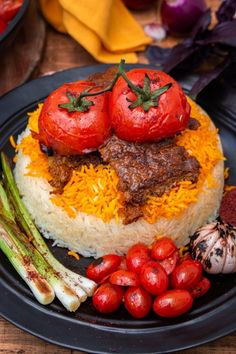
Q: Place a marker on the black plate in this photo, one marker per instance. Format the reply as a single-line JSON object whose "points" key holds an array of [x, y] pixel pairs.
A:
{"points": [[8, 36], [212, 317]]}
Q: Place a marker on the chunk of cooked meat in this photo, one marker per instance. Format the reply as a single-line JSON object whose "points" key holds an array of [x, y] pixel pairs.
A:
{"points": [[193, 124], [61, 167], [132, 213], [149, 169]]}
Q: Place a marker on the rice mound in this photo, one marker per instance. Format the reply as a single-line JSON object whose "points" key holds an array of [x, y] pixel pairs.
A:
{"points": [[91, 236]]}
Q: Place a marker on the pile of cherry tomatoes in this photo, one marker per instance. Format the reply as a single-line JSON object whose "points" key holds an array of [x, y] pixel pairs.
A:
{"points": [[155, 278], [8, 10]]}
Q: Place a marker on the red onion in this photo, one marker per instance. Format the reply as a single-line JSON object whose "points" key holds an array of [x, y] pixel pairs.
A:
{"points": [[179, 16]]}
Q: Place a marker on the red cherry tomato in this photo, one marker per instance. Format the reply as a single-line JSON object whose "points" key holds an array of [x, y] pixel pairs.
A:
{"points": [[138, 302], [102, 267], [186, 275], [134, 124], [72, 133], [108, 298], [137, 256], [124, 278], [173, 303], [9, 8], [3, 26], [170, 263], [202, 288], [163, 248], [186, 257], [154, 278], [123, 264]]}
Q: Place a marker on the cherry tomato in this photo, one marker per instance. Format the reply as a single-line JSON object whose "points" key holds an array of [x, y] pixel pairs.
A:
{"points": [[3, 26], [186, 275], [163, 248], [154, 278], [108, 298], [134, 124], [186, 257], [124, 278], [9, 8], [102, 267], [123, 264], [170, 263], [173, 303], [72, 133], [202, 288], [138, 302], [137, 256]]}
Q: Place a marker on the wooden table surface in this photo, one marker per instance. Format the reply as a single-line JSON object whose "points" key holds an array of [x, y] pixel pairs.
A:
{"points": [[61, 52]]}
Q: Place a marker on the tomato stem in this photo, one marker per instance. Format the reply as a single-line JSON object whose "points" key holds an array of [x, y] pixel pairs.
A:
{"points": [[120, 70], [145, 97], [80, 103]]}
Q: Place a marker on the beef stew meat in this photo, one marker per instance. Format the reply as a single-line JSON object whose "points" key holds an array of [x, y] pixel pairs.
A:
{"points": [[148, 169], [143, 169], [61, 167]]}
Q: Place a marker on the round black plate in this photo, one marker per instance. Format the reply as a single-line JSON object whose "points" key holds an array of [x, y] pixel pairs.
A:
{"points": [[212, 316]]}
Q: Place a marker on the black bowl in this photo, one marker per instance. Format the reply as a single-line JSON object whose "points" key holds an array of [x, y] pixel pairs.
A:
{"points": [[8, 36]]}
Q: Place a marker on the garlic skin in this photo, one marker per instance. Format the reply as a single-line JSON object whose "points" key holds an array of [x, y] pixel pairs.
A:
{"points": [[214, 246]]}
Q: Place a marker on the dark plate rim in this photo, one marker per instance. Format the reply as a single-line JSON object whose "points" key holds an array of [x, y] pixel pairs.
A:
{"points": [[12, 24], [13, 307]]}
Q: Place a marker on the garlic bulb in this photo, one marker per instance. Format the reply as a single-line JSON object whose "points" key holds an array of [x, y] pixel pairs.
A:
{"points": [[214, 246]]}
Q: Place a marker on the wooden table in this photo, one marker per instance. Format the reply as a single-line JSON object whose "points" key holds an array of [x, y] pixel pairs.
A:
{"points": [[61, 52]]}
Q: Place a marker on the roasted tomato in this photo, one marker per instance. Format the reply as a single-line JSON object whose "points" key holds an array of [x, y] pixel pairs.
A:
{"points": [[173, 303], [202, 288], [124, 278], [9, 8], [103, 267], [138, 302], [163, 248], [170, 263], [70, 127], [186, 275], [154, 109], [154, 278], [108, 298], [137, 256]]}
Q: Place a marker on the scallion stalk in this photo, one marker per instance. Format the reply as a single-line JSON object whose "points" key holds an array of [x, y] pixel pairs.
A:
{"points": [[67, 297], [42, 291], [75, 281]]}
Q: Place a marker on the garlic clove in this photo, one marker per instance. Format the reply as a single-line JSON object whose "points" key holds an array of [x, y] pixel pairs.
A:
{"points": [[203, 233], [204, 244], [230, 261], [215, 260]]}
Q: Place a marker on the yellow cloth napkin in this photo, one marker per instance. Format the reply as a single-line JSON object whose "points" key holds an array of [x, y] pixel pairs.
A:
{"points": [[105, 28]]}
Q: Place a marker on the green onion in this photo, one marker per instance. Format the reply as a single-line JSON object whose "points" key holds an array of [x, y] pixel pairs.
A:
{"points": [[73, 280], [38, 285], [67, 297]]}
